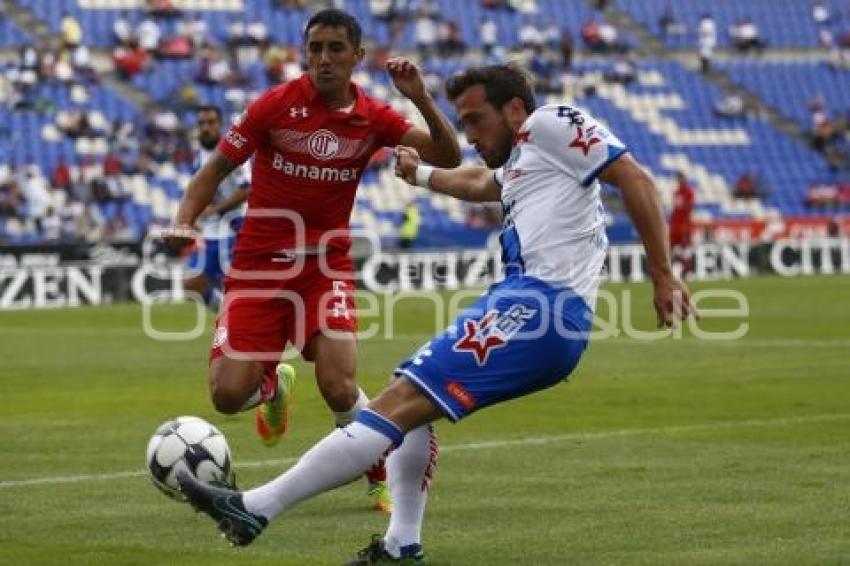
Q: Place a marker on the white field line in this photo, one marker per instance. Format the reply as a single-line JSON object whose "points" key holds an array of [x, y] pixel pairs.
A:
{"points": [[626, 341], [616, 341], [486, 444]]}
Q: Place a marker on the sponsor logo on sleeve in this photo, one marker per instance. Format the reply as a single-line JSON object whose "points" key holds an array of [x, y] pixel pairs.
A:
{"points": [[235, 139], [585, 139]]}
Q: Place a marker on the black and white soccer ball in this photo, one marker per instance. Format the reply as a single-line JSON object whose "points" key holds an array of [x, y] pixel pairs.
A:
{"points": [[191, 444]]}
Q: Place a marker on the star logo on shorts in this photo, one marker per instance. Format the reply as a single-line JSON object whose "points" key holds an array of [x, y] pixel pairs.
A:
{"points": [[585, 139], [492, 331]]}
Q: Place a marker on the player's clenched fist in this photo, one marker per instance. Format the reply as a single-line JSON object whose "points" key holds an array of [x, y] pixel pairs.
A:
{"points": [[406, 162], [406, 77]]}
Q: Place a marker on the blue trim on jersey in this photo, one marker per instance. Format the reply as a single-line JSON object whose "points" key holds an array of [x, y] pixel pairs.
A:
{"points": [[511, 251], [382, 425], [613, 153]]}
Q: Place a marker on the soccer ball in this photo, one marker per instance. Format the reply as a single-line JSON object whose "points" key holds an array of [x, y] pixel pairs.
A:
{"points": [[191, 444]]}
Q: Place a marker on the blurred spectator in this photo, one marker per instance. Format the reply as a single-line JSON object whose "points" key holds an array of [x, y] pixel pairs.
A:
{"points": [[747, 186], [112, 165], [523, 6], [149, 35], [195, 29], [668, 24], [736, 105], [162, 8], [530, 36], [130, 60], [82, 63], [706, 41], [681, 227], [820, 13], [11, 197], [63, 71], [51, 225], [380, 9], [122, 29], [624, 71], [829, 196], [590, 35], [409, 228], [71, 31], [426, 35], [236, 33], [453, 44], [551, 34], [74, 122], [601, 37], [36, 195], [488, 31], [746, 36], [257, 32], [61, 176], [176, 47], [187, 98]]}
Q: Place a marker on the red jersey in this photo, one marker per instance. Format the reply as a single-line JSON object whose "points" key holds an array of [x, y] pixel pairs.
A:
{"points": [[308, 160], [683, 205]]}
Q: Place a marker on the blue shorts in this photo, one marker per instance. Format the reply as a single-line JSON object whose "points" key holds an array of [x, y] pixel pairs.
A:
{"points": [[209, 261], [520, 337]]}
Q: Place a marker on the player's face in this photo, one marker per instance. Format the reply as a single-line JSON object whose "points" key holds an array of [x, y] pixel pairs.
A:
{"points": [[209, 129], [485, 127], [331, 58]]}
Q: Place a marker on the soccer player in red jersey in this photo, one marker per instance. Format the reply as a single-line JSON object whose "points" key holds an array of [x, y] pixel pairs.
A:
{"points": [[291, 279], [680, 223]]}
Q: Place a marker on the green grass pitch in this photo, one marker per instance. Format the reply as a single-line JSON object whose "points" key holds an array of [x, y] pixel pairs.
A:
{"points": [[675, 451]]}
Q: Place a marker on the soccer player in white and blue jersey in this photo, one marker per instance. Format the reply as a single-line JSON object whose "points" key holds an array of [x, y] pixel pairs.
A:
{"points": [[525, 334], [221, 219]]}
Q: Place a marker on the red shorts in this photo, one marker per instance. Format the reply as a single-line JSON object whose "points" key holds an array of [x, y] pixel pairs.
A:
{"points": [[269, 303]]}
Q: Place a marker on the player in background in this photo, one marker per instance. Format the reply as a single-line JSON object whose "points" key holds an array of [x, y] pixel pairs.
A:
{"points": [[219, 223], [311, 139], [525, 334], [681, 228]]}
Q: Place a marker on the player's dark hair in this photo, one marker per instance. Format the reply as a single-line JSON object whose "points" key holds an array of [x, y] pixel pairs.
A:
{"points": [[332, 17], [502, 83], [209, 108]]}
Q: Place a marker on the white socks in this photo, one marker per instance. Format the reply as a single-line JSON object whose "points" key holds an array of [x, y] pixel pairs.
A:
{"points": [[343, 418], [409, 469], [337, 459]]}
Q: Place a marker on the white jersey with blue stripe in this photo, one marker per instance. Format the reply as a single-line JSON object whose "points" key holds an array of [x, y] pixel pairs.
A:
{"points": [[554, 221], [212, 228]]}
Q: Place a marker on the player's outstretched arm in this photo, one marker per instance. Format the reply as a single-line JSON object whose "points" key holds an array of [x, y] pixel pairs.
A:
{"points": [[472, 183], [640, 195], [439, 145], [202, 188]]}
